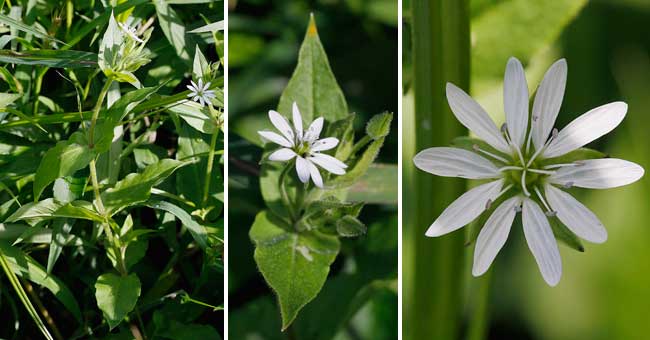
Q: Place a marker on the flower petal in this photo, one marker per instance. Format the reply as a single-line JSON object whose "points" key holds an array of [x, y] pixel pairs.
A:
{"points": [[578, 218], [455, 162], [586, 128], [493, 235], [282, 125], [297, 120], [541, 242], [275, 138], [598, 174], [465, 208], [314, 130], [328, 163], [282, 155], [324, 144], [515, 100], [315, 175], [302, 168], [547, 102], [472, 116]]}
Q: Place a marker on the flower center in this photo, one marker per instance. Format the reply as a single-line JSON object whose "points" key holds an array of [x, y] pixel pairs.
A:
{"points": [[303, 149]]}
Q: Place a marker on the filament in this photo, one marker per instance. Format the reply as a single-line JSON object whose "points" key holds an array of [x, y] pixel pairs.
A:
{"points": [[497, 157]]}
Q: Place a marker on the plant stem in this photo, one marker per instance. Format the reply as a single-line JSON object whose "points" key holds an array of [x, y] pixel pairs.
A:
{"points": [[98, 106], [208, 169], [478, 319], [284, 194], [360, 144], [433, 297]]}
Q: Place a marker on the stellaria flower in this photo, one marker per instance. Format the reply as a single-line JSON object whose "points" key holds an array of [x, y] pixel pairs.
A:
{"points": [[130, 31], [526, 170], [200, 93], [304, 146]]}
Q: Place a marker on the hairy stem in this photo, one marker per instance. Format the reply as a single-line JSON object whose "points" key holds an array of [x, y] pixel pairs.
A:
{"points": [[284, 194]]}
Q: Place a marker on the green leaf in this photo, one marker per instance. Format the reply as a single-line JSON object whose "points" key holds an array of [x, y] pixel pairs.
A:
{"points": [[312, 85], [50, 58], [62, 160], [135, 251], [110, 47], [60, 233], [213, 27], [49, 209], [178, 331], [295, 265], [360, 167], [26, 267], [327, 212], [7, 98], [136, 187], [344, 130], [69, 188], [190, 180], [198, 231], [349, 226], [174, 30], [378, 185], [116, 296], [200, 67], [379, 125], [196, 115], [25, 28], [566, 236]]}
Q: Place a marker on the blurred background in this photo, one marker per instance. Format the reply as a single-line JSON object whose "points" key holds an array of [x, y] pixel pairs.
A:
{"points": [[360, 39], [605, 291]]}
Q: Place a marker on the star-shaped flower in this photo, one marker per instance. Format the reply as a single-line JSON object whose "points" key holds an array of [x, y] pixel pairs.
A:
{"points": [[130, 31], [200, 93], [304, 146], [525, 169]]}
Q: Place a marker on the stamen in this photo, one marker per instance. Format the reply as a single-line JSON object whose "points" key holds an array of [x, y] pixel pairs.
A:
{"points": [[518, 208], [545, 172], [510, 167], [539, 151], [523, 183], [557, 166], [499, 158], [541, 198], [530, 139], [488, 204], [568, 185], [504, 191]]}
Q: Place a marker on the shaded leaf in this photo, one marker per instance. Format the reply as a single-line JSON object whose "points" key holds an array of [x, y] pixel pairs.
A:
{"points": [[50, 58], [116, 296], [198, 231]]}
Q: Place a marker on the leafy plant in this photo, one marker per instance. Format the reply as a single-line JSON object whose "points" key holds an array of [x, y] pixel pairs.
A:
{"points": [[297, 237], [110, 170]]}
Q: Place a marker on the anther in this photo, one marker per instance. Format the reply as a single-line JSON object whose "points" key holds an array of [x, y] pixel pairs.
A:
{"points": [[518, 208], [551, 213], [488, 204], [568, 185]]}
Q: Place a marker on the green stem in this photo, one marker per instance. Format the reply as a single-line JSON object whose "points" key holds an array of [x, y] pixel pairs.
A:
{"points": [[208, 169], [433, 296], [98, 107], [360, 144], [479, 319], [283, 191]]}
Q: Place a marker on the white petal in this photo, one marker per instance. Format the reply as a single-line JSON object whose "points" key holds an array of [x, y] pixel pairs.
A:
{"points": [[297, 120], [200, 87], [465, 208], [328, 163], [315, 175], [578, 218], [282, 155], [493, 235], [541, 242], [472, 116], [314, 130], [281, 124], [302, 168], [207, 86], [515, 100], [586, 128], [547, 102], [275, 138], [324, 144], [455, 162], [598, 174]]}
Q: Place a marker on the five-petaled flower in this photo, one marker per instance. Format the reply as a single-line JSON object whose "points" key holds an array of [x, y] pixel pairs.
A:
{"points": [[304, 146], [200, 93], [132, 32], [526, 170]]}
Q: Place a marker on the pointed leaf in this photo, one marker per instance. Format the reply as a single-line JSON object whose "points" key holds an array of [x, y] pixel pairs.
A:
{"points": [[116, 296]]}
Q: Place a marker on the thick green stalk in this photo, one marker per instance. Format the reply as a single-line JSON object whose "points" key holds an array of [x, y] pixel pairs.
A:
{"points": [[208, 169], [433, 294], [478, 318]]}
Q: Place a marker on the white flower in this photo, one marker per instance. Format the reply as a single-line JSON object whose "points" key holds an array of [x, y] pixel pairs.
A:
{"points": [[304, 146], [130, 31], [521, 163], [200, 93]]}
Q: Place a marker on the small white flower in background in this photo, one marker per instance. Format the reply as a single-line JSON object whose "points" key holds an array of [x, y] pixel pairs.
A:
{"points": [[304, 146], [200, 93], [130, 31], [519, 163]]}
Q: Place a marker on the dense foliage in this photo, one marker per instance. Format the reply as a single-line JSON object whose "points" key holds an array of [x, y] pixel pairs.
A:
{"points": [[111, 170]]}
